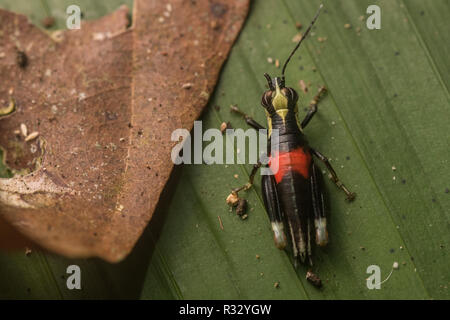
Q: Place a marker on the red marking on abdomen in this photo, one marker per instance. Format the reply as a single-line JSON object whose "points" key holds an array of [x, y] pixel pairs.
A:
{"points": [[295, 160]]}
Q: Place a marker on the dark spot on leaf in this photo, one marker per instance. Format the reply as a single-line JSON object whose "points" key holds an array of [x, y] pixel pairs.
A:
{"points": [[422, 13], [392, 250], [397, 53]]}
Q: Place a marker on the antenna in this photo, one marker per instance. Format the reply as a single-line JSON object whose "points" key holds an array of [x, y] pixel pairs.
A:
{"points": [[303, 37]]}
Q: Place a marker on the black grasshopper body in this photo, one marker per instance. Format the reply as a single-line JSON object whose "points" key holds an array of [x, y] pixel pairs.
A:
{"points": [[292, 194]]}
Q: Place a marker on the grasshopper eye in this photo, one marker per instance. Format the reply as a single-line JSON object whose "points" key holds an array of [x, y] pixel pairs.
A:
{"points": [[291, 95], [266, 99]]}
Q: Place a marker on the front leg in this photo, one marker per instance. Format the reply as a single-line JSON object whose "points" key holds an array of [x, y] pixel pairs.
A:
{"points": [[233, 198], [313, 107], [250, 121]]}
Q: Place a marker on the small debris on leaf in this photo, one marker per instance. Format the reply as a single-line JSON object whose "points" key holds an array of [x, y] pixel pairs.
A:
{"points": [[303, 86], [297, 37], [298, 25], [241, 207], [224, 126], [232, 199], [314, 279], [347, 26], [220, 222]]}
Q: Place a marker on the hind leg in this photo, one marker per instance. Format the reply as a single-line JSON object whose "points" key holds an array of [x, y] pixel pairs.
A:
{"points": [[318, 206], [274, 210]]}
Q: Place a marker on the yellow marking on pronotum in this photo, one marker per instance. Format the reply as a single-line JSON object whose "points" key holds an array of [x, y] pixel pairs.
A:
{"points": [[282, 113], [279, 101], [9, 109]]}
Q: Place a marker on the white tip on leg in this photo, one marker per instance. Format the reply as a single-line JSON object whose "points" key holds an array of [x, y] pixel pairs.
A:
{"points": [[278, 235], [321, 231]]}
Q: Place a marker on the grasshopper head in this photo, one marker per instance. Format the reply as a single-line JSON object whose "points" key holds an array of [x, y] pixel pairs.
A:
{"points": [[278, 97]]}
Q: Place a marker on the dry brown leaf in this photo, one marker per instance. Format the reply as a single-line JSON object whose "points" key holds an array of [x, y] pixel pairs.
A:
{"points": [[93, 176]]}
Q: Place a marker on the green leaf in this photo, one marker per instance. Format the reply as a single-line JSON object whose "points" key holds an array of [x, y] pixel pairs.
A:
{"points": [[383, 123]]}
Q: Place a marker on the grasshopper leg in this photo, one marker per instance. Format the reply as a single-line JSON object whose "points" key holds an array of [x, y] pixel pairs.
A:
{"points": [[250, 121], [318, 206], [249, 184], [274, 210], [313, 106], [333, 176]]}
